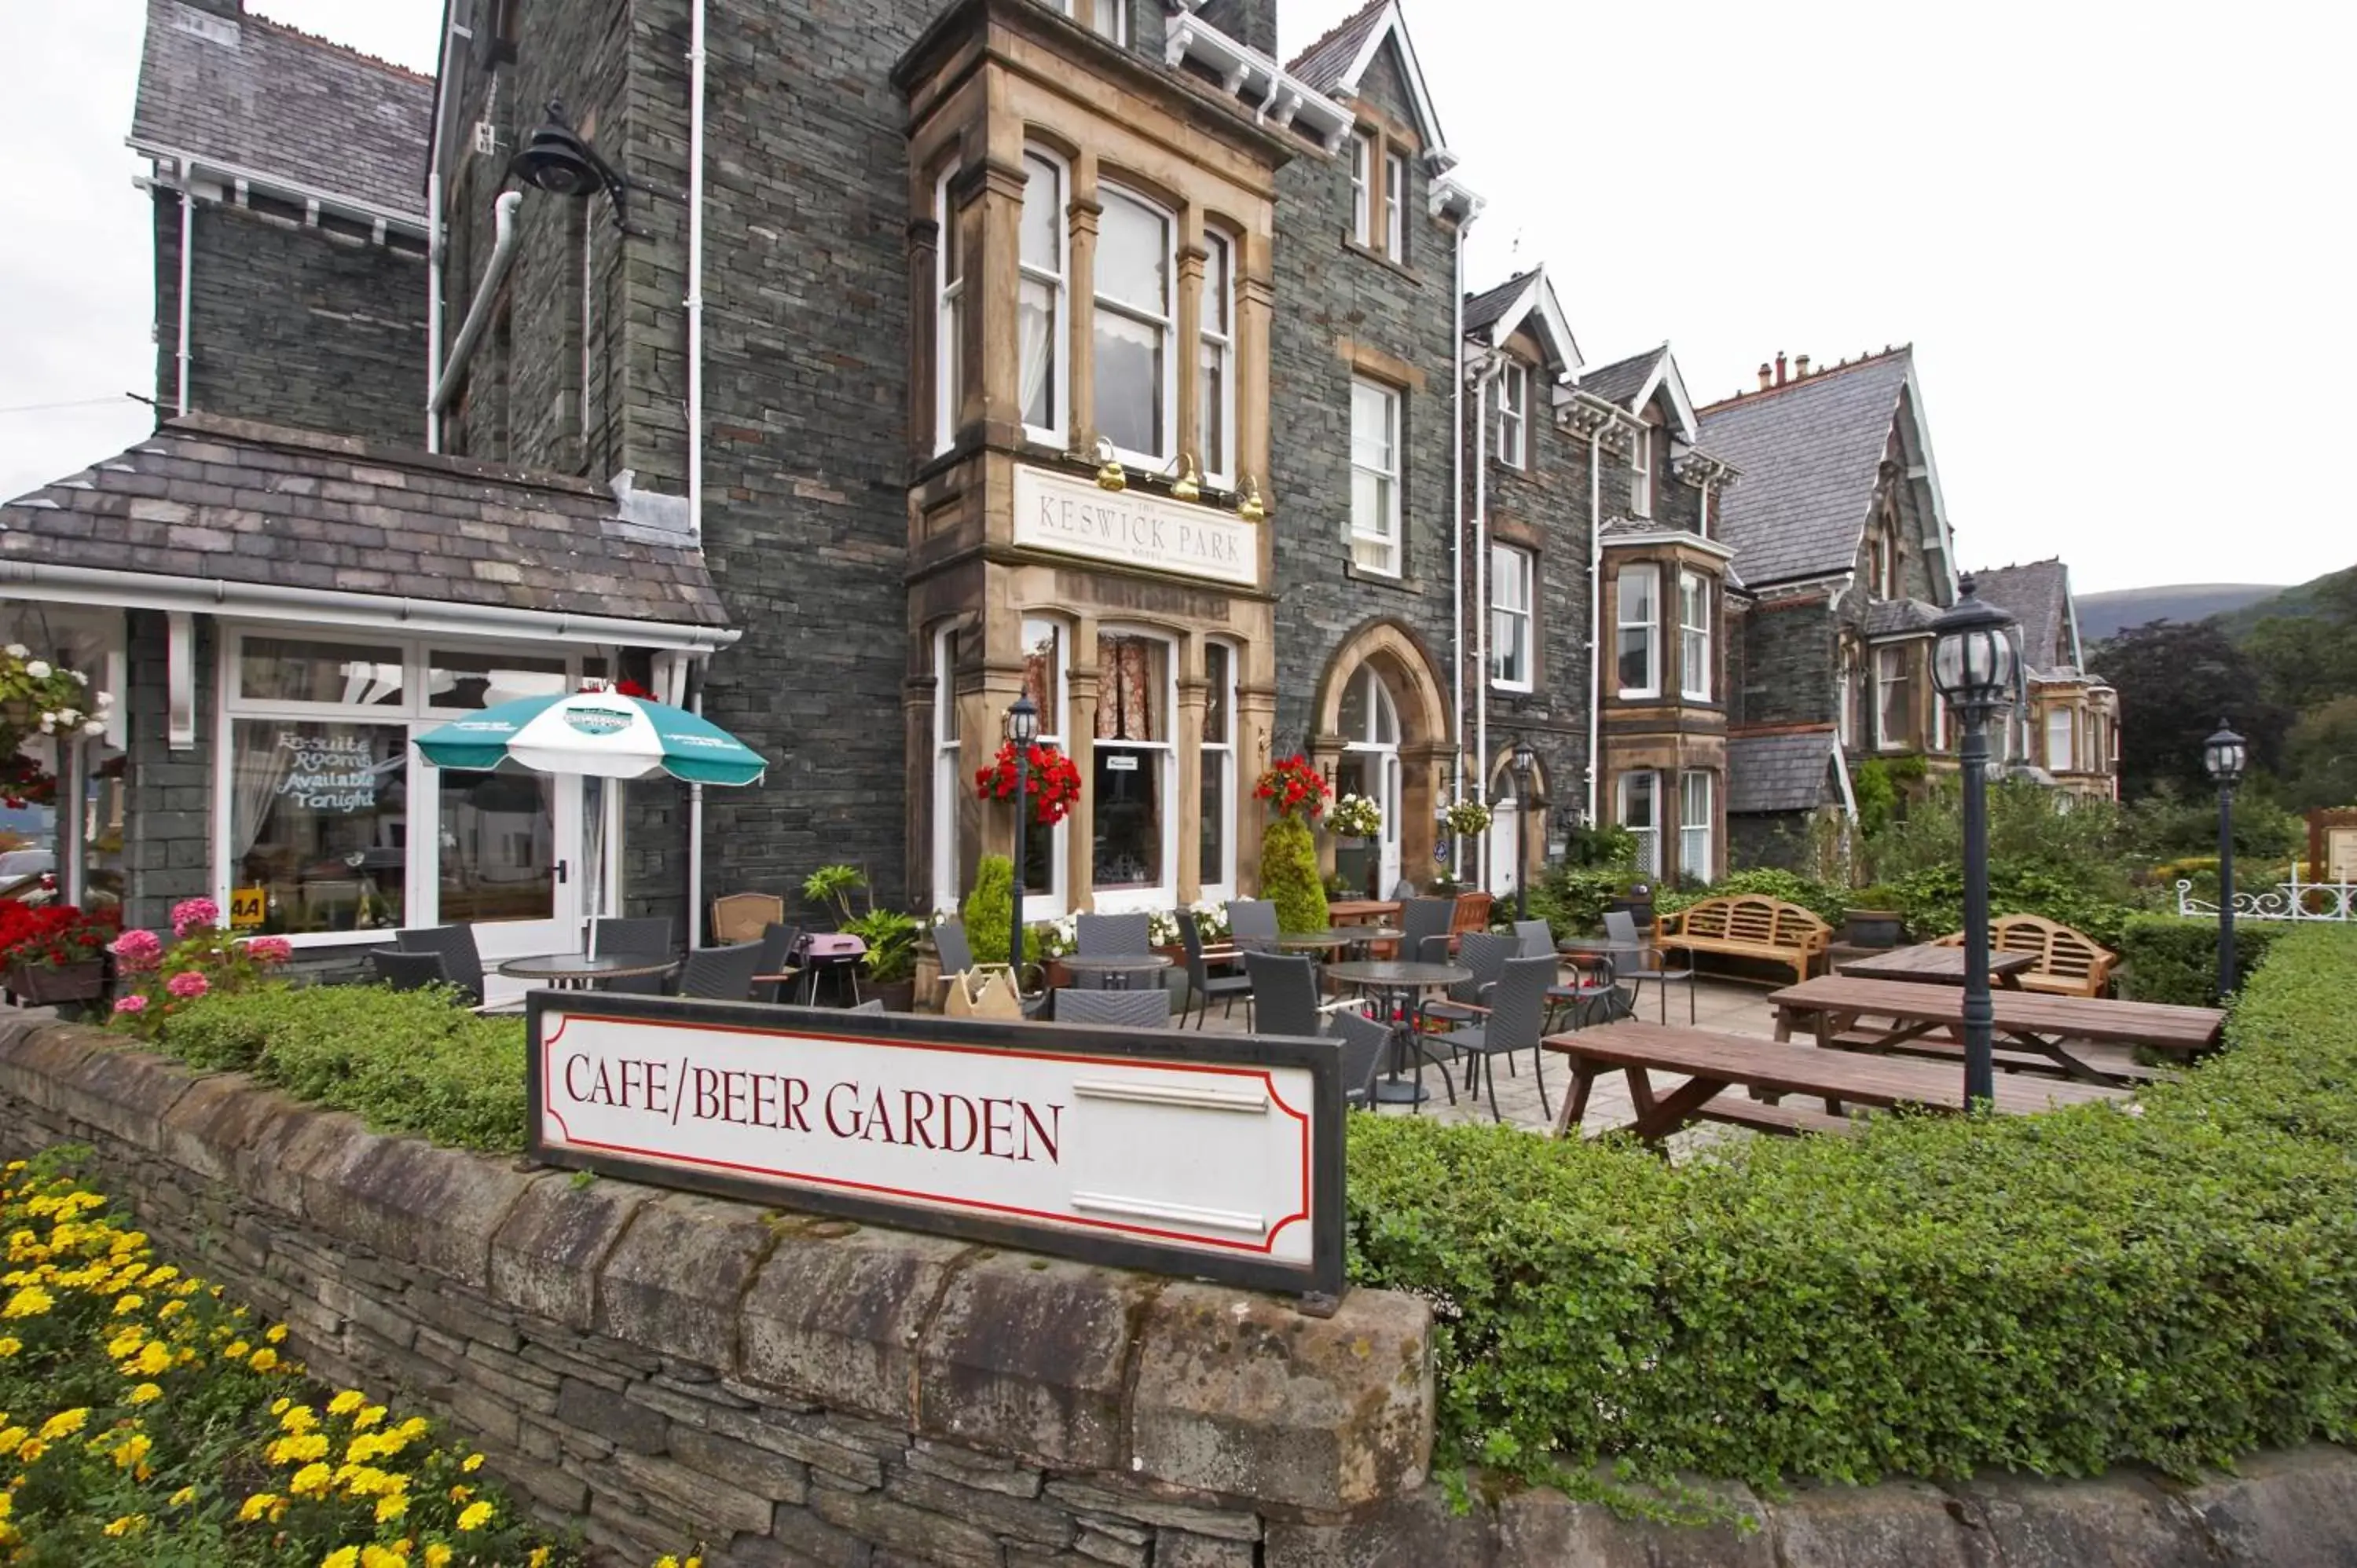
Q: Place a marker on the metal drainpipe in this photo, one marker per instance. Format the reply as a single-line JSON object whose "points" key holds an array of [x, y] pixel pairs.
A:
{"points": [[1490, 372], [1595, 617], [1457, 554], [694, 303], [479, 313], [433, 306], [187, 273]]}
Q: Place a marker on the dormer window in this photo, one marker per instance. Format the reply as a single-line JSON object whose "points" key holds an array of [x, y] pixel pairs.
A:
{"points": [[1378, 195], [1103, 17], [1513, 402]]}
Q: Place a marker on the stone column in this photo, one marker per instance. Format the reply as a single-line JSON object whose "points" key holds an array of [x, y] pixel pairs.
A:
{"points": [[1080, 745], [1187, 784], [1080, 300]]}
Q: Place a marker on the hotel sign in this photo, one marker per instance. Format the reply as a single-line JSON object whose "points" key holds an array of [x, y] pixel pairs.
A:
{"points": [[1211, 1157], [1075, 517]]}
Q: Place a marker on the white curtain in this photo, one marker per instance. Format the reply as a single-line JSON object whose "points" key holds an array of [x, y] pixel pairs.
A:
{"points": [[1038, 325], [260, 767]]}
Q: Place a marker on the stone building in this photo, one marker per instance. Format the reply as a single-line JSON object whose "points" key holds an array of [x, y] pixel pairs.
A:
{"points": [[1842, 548], [2067, 725]]}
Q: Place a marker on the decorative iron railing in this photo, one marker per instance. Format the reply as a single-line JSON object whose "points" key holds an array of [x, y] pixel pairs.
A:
{"points": [[2293, 900]]}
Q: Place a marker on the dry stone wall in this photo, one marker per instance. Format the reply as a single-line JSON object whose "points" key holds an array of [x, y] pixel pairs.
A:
{"points": [[659, 1368]]}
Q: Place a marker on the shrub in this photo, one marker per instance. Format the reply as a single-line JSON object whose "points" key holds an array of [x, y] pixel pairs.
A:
{"points": [[1571, 899], [1933, 901], [404, 1062], [1821, 899], [1289, 874], [1937, 1294], [989, 907], [2167, 958]]}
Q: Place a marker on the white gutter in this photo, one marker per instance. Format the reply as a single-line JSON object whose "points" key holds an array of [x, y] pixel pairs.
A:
{"points": [[269, 601], [696, 75], [1490, 370], [479, 313], [1594, 619], [187, 271], [1456, 554], [434, 232], [241, 177]]}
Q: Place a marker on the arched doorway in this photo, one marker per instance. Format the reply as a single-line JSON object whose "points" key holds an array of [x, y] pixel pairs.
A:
{"points": [[1368, 724], [1509, 851], [1380, 729]]}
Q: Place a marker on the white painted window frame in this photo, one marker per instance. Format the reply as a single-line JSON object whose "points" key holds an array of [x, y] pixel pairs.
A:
{"points": [[1386, 535], [1513, 426], [1513, 572], [1649, 833], [1887, 660], [1694, 837], [1166, 324], [1059, 284], [1651, 624], [1162, 758], [1220, 344], [1694, 637], [949, 309]]}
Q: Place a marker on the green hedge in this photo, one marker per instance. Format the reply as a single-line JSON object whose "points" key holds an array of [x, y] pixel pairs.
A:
{"points": [[2055, 1293], [1821, 899], [1933, 901], [2167, 958]]}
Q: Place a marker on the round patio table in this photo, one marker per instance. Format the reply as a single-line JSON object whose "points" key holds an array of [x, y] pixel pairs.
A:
{"points": [[578, 971], [1363, 937], [1117, 967], [1397, 983], [1603, 955], [1313, 941]]}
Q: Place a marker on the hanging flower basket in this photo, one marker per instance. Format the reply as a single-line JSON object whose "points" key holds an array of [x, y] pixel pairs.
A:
{"points": [[1466, 818], [1294, 788], [1054, 787], [39, 696], [1355, 817]]}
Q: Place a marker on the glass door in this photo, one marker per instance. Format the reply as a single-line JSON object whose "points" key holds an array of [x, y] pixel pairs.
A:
{"points": [[509, 860]]}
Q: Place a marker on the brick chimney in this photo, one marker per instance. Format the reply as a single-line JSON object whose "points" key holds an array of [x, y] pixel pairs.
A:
{"points": [[1800, 366], [1780, 367], [1766, 376]]}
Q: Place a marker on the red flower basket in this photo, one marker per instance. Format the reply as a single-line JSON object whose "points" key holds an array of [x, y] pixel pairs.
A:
{"points": [[1294, 788], [1054, 787]]}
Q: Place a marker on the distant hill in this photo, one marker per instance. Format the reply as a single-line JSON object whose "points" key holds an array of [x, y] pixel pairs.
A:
{"points": [[2303, 600], [2102, 616]]}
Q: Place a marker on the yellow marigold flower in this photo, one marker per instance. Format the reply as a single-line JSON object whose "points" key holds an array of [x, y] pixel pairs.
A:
{"points": [[436, 1555], [279, 1406], [31, 1450], [391, 1507], [182, 1498], [65, 1424], [539, 1558], [171, 1309], [342, 1557], [8, 1504], [161, 1274], [127, 1305], [310, 1481], [474, 1515], [145, 1393], [152, 1358], [12, 1436], [380, 1557], [256, 1506], [262, 1361], [346, 1402], [473, 1463], [127, 1342], [129, 1524], [299, 1449], [298, 1419], [132, 1449], [30, 1302], [237, 1349], [414, 1427], [368, 1417], [9, 1346], [277, 1335]]}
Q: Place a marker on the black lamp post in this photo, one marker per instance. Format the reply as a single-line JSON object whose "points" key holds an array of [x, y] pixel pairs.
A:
{"points": [[1973, 662], [1022, 728], [2223, 753], [1526, 763]]}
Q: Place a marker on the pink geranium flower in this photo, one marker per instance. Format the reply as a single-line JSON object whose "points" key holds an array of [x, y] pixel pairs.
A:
{"points": [[188, 986], [194, 914], [269, 950], [130, 1004], [138, 951]]}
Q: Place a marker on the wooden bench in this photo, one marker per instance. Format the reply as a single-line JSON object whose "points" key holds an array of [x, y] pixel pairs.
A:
{"points": [[1784, 1120], [1748, 925], [2067, 962]]}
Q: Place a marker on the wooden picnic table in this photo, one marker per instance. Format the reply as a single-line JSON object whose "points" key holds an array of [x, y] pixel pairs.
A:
{"points": [[1834, 1008], [1715, 1063], [1931, 964]]}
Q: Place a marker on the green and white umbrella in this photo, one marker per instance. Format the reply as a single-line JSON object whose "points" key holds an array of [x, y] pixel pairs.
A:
{"points": [[598, 734]]}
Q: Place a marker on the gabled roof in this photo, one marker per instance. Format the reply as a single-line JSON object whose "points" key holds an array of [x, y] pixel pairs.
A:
{"points": [[1811, 452], [2038, 595], [1336, 62], [1526, 299], [232, 502], [1780, 772], [1632, 382], [252, 98]]}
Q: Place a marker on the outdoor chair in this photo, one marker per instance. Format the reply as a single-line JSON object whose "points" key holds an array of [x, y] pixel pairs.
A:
{"points": [[776, 952], [1534, 939], [1363, 1041], [721, 975], [1404, 890], [1510, 1024], [1112, 936], [648, 937], [1483, 952], [462, 961], [1285, 995], [398, 971], [1202, 984], [954, 953], [1422, 917], [1120, 1009], [743, 916], [1647, 963], [1252, 923], [873, 1004]]}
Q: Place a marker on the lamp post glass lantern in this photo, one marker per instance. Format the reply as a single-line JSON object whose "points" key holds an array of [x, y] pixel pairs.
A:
{"points": [[2223, 755], [1974, 666], [1022, 728], [1525, 764]]}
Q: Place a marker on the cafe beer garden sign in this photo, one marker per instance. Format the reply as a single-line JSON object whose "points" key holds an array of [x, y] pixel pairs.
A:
{"points": [[1217, 1158], [1132, 528]]}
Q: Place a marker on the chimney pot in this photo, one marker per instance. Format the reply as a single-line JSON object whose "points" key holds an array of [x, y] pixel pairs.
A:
{"points": [[1780, 367], [1766, 376], [1800, 366]]}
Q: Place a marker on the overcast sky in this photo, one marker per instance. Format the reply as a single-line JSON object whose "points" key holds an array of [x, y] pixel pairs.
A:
{"points": [[2117, 235]]}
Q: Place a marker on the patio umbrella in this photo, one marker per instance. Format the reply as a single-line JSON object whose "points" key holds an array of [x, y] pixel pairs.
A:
{"points": [[599, 733]]}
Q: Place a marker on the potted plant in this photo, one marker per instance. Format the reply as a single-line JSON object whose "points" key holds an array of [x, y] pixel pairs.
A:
{"points": [[1288, 856], [55, 953], [1357, 817], [890, 962], [1875, 921]]}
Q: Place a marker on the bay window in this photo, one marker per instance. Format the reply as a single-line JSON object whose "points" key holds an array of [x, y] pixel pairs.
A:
{"points": [[1215, 383], [1694, 825], [1892, 726], [1134, 326], [1636, 596], [1694, 637], [1216, 850], [949, 319], [1040, 314], [1374, 477], [1514, 398], [2058, 740], [1512, 570], [1132, 789], [1641, 814]]}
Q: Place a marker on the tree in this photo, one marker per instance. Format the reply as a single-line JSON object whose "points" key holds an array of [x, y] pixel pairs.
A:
{"points": [[2321, 756], [2176, 681]]}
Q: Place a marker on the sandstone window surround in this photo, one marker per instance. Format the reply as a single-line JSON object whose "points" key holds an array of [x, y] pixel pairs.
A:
{"points": [[1694, 637], [1132, 326], [1106, 18], [1378, 195], [1514, 409], [1375, 523], [1636, 618], [1514, 572]]}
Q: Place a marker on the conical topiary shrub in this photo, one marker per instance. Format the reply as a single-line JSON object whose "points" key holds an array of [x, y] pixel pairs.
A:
{"points": [[988, 908], [1288, 876]]}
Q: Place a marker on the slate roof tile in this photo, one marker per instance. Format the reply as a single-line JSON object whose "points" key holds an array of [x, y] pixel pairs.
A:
{"points": [[1619, 381], [1483, 309], [1810, 452], [564, 545], [1322, 65], [2038, 595], [1780, 772], [266, 97]]}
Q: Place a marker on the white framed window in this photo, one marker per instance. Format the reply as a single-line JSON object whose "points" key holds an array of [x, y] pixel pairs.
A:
{"points": [[1046, 681], [1693, 636], [1215, 388], [949, 319], [1362, 188], [1640, 810], [1395, 205], [1215, 866], [1845, 700], [1134, 326], [1694, 825], [1641, 472], [1893, 723], [949, 791], [1944, 733], [1133, 858], [1513, 404], [1374, 477], [1103, 17], [1368, 721], [1512, 570], [1043, 343], [2058, 741], [1637, 592]]}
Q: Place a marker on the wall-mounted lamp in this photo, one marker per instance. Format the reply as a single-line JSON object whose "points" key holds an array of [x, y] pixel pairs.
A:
{"points": [[557, 159], [1110, 475], [1249, 506], [1187, 486]]}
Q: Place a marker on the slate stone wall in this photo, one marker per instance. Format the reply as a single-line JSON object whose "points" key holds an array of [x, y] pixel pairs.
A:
{"points": [[167, 839], [1788, 663], [313, 326], [657, 1369]]}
